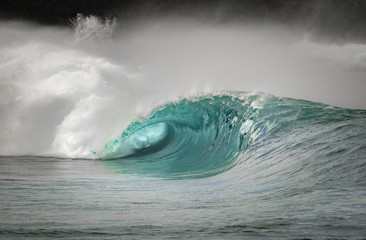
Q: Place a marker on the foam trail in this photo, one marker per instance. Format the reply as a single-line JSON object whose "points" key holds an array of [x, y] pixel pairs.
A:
{"points": [[67, 92]]}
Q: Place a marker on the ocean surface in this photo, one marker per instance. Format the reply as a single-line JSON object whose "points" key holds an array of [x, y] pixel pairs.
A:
{"points": [[173, 129]]}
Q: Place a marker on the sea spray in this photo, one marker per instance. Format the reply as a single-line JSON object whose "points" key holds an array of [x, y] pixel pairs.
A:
{"points": [[91, 29], [65, 92]]}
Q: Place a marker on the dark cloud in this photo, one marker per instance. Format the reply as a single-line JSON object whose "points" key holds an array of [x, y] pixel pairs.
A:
{"points": [[332, 19]]}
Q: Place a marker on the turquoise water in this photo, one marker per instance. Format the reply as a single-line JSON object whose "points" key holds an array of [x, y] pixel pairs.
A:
{"points": [[230, 166]]}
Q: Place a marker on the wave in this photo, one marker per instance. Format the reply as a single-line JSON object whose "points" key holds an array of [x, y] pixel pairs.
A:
{"points": [[209, 135], [190, 138]]}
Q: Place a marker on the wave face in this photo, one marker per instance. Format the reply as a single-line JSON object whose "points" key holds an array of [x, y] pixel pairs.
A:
{"points": [[209, 135], [194, 138]]}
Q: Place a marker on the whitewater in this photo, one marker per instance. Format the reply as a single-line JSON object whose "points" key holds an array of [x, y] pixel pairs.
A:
{"points": [[180, 128]]}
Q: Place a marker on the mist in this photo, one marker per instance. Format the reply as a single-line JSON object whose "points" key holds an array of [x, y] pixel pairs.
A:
{"points": [[66, 91]]}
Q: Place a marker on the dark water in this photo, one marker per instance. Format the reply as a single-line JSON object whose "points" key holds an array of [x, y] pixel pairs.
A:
{"points": [[298, 172]]}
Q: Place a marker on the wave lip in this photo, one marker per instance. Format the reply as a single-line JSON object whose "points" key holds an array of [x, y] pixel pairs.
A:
{"points": [[192, 138]]}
